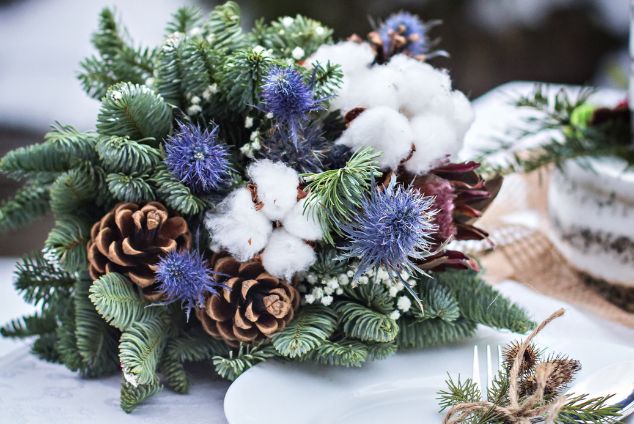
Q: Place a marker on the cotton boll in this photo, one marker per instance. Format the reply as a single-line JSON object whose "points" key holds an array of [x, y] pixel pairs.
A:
{"points": [[286, 255], [386, 130], [238, 227], [463, 114], [302, 223], [353, 57], [277, 187], [436, 141], [378, 86]]}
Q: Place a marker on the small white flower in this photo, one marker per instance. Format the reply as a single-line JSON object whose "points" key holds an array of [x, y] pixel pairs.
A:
{"points": [[329, 290], [404, 303], [350, 274], [364, 280], [258, 49], [194, 110], [393, 292], [195, 31], [404, 275], [255, 145], [319, 30], [287, 21], [247, 151], [343, 279], [412, 283], [399, 286], [116, 95], [318, 292], [309, 298], [269, 115], [326, 300], [149, 82], [311, 278], [333, 283], [395, 315], [210, 91], [298, 53], [248, 122], [210, 38], [254, 135], [339, 291], [195, 100]]}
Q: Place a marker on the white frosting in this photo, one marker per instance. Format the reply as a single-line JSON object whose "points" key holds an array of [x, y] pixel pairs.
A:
{"points": [[599, 200]]}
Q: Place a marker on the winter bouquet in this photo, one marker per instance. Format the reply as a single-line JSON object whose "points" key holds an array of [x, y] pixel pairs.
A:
{"points": [[253, 195]]}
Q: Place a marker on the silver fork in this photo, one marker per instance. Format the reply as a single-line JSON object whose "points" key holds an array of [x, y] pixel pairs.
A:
{"points": [[491, 372]]}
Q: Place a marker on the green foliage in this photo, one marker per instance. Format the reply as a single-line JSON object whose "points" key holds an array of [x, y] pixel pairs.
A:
{"points": [[285, 34], [129, 188], [37, 279], [344, 353], [582, 408], [458, 391], [135, 111], [27, 205], [381, 350], [312, 326], [373, 295], [232, 366], [44, 347], [365, 324], [30, 325], [117, 61], [196, 346], [183, 20], [67, 243], [335, 195], [223, 29], [174, 374], [414, 334], [132, 396], [141, 347], [120, 154], [481, 303], [73, 190], [438, 302], [96, 341], [175, 194], [117, 300], [327, 79]]}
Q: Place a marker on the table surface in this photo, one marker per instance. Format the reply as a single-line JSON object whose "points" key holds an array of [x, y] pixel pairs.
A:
{"points": [[33, 391]]}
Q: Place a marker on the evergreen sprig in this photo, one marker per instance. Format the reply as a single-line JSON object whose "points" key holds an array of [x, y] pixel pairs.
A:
{"points": [[141, 347], [363, 323], [335, 195], [313, 326], [232, 366], [27, 205], [131, 396], [117, 301]]}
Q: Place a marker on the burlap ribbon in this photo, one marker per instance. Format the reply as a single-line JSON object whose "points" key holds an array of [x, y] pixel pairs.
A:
{"points": [[520, 411]]}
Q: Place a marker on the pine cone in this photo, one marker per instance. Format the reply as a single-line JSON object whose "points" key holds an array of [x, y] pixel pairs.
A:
{"points": [[130, 240], [253, 305]]}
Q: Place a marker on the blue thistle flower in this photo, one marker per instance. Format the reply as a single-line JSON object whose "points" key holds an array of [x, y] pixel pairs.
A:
{"points": [[183, 276], [394, 226], [306, 156], [289, 98], [196, 157], [409, 26]]}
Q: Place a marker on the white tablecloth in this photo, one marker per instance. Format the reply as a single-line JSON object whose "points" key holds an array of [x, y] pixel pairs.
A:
{"points": [[32, 391]]}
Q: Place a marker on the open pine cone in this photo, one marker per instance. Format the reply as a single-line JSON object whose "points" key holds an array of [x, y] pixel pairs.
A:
{"points": [[131, 239], [254, 304]]}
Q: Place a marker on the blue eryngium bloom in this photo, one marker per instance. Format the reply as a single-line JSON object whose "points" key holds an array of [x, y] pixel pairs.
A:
{"points": [[394, 228], [183, 276], [288, 97], [196, 157], [411, 28]]}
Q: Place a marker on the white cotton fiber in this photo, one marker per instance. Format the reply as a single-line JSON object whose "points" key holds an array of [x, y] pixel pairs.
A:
{"points": [[377, 86], [276, 185], [238, 227], [302, 224], [384, 129], [353, 57], [286, 255], [436, 141], [463, 114]]}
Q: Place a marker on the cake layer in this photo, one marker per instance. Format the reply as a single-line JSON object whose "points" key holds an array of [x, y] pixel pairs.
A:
{"points": [[600, 199]]}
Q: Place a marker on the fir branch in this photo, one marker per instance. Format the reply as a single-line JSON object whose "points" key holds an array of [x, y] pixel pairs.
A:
{"points": [[415, 334], [96, 341], [174, 374], [373, 295], [457, 392], [344, 353], [27, 205], [135, 111], [363, 323], [283, 36], [231, 367], [120, 154], [438, 302], [73, 190], [141, 347], [582, 408], [481, 303], [196, 346], [30, 325], [183, 20], [117, 301], [44, 347], [175, 194], [312, 326], [67, 243], [327, 79], [38, 280], [129, 188], [381, 350], [132, 396], [223, 27], [335, 195]]}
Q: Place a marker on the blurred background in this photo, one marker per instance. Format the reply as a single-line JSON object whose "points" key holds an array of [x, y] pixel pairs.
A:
{"points": [[490, 42]]}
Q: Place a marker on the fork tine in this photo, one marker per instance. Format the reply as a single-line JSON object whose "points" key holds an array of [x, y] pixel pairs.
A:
{"points": [[476, 371], [489, 371]]}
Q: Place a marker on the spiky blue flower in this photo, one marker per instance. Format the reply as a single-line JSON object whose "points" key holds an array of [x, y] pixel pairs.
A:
{"points": [[197, 158], [308, 155], [184, 277], [289, 99], [411, 28], [393, 229]]}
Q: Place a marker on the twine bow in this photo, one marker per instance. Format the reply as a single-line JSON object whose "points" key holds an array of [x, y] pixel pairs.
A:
{"points": [[524, 411]]}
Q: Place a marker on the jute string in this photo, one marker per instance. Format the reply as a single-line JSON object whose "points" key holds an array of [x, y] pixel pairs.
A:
{"points": [[518, 411]]}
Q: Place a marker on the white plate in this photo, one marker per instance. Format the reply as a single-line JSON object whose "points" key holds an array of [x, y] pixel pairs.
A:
{"points": [[402, 388]]}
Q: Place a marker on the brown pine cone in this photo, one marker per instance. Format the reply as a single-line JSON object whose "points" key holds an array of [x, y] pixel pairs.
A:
{"points": [[253, 306], [131, 239]]}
